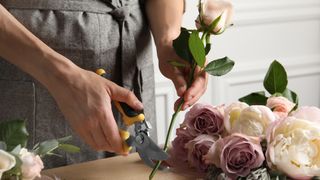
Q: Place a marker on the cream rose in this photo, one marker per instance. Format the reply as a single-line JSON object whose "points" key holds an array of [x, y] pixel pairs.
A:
{"points": [[253, 121], [7, 161], [232, 113], [212, 9], [31, 165], [294, 147]]}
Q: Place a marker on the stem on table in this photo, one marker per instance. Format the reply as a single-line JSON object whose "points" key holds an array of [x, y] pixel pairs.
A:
{"points": [[172, 121]]}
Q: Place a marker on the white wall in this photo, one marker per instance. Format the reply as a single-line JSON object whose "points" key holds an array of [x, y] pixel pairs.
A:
{"points": [[264, 30]]}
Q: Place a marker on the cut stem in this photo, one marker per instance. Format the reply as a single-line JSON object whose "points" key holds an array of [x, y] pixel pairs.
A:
{"points": [[172, 122]]}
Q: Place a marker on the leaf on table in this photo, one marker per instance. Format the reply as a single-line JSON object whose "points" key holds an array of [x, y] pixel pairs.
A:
{"points": [[197, 48], [276, 79], [255, 98], [69, 148], [13, 133], [219, 67]]}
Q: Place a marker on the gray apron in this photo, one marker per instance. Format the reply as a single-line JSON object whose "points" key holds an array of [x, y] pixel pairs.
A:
{"points": [[112, 34]]}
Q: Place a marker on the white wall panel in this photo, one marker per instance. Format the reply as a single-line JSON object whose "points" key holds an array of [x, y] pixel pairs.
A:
{"points": [[286, 30]]}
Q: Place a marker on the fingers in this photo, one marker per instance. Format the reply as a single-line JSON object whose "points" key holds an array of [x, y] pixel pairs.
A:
{"points": [[180, 83], [124, 95], [111, 131], [196, 90]]}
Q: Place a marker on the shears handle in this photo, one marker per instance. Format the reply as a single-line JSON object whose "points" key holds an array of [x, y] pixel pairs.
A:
{"points": [[129, 117]]}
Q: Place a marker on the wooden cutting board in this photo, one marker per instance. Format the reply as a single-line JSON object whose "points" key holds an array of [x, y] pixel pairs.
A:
{"points": [[116, 168]]}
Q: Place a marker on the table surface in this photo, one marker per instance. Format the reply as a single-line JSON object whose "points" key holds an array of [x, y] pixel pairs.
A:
{"points": [[118, 168]]}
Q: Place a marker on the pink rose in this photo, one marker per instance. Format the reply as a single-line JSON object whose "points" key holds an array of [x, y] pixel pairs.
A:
{"points": [[310, 113], [204, 119], [197, 148], [280, 106], [236, 155], [31, 165], [179, 151]]}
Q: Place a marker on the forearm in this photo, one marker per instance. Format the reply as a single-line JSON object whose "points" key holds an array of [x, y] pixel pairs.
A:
{"points": [[165, 18], [21, 48]]}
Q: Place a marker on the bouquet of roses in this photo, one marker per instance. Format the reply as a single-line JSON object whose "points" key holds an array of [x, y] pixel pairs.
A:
{"points": [[17, 162], [258, 137], [192, 46]]}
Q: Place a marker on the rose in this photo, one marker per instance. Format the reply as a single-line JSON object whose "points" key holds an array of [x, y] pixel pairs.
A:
{"points": [[212, 9], [236, 155], [281, 106], [31, 165], [197, 148], [179, 151], [253, 121], [204, 119], [232, 113], [293, 147], [7, 161], [310, 113]]}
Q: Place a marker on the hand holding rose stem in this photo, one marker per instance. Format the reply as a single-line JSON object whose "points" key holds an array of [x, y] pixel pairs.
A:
{"points": [[214, 17]]}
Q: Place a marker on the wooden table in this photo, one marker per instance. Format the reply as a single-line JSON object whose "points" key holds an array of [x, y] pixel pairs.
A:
{"points": [[116, 168]]}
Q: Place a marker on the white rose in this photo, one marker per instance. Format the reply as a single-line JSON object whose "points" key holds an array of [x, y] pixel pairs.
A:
{"points": [[31, 165], [294, 147], [232, 113], [212, 9], [7, 161], [253, 121]]}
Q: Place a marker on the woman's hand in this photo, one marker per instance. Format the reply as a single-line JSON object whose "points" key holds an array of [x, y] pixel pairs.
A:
{"points": [[180, 77], [85, 100]]}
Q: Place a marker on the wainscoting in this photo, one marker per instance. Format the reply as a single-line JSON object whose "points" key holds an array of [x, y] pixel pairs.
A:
{"points": [[285, 30]]}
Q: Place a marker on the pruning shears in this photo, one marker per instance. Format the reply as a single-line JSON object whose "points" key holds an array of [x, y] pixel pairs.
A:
{"points": [[146, 148]]}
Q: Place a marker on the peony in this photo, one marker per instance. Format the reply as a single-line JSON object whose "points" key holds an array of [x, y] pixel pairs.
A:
{"points": [[232, 113], [281, 106], [179, 151], [31, 165], [310, 113], [253, 121], [197, 148], [204, 119], [212, 9], [7, 161], [294, 147], [236, 155]]}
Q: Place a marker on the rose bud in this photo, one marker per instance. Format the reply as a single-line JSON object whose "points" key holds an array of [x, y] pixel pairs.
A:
{"points": [[211, 10]]}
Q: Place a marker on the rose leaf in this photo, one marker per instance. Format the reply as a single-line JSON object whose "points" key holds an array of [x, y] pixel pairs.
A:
{"points": [[180, 45], [219, 67], [276, 78], [255, 98], [197, 48]]}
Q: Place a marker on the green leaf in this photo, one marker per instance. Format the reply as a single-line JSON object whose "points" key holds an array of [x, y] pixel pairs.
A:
{"points": [[16, 150], [3, 145], [177, 64], [256, 98], [219, 67], [276, 78], [208, 48], [64, 139], [69, 148], [181, 46], [197, 49], [13, 133], [214, 23], [46, 147], [292, 96]]}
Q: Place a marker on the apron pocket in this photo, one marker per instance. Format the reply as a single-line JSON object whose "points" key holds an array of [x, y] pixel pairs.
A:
{"points": [[17, 101]]}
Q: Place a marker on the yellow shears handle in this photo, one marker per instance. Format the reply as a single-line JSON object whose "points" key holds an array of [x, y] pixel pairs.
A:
{"points": [[129, 117]]}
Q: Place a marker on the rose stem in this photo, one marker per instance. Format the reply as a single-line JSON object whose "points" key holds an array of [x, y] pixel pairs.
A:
{"points": [[172, 122]]}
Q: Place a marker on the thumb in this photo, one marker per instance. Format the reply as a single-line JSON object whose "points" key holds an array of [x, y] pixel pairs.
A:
{"points": [[124, 95]]}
